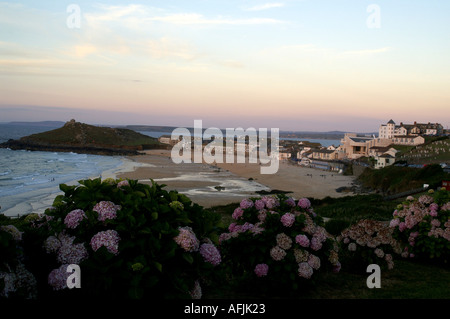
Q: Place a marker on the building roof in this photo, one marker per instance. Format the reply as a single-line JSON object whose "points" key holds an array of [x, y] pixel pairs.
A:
{"points": [[407, 136], [391, 122], [360, 139], [324, 151]]}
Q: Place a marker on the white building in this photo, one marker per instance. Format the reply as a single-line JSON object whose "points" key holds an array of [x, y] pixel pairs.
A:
{"points": [[391, 130]]}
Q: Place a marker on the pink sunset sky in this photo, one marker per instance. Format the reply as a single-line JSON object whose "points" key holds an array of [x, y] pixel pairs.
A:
{"points": [[295, 65]]}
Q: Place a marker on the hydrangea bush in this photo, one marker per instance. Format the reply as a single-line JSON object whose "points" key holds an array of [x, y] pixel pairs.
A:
{"points": [[423, 226], [16, 281], [130, 240], [367, 242], [278, 241]]}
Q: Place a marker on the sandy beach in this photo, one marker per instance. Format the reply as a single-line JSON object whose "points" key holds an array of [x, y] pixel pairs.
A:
{"points": [[219, 184]]}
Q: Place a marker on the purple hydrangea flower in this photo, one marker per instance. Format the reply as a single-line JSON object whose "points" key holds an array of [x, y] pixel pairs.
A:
{"points": [[106, 210], [261, 270], [74, 218], [108, 238], [210, 254], [304, 203], [288, 219]]}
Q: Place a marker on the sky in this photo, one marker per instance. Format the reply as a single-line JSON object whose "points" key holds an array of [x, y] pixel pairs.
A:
{"points": [[301, 65]]}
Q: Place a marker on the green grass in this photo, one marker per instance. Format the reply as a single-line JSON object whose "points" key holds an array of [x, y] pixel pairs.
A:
{"points": [[408, 280], [394, 179], [354, 208]]}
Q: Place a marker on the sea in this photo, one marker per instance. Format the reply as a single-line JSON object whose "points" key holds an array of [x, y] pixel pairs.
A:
{"points": [[29, 180]]}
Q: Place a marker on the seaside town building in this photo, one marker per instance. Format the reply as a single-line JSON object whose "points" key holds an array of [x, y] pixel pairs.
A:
{"points": [[391, 130], [356, 146]]}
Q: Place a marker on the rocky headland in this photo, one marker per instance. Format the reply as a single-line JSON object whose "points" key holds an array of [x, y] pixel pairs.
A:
{"points": [[87, 139]]}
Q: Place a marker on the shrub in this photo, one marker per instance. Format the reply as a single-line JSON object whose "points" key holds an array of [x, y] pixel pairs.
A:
{"points": [[423, 226], [336, 226], [277, 242], [16, 281], [130, 240], [367, 242]]}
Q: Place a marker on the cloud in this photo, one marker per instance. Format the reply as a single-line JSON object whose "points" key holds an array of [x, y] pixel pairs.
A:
{"points": [[232, 64], [82, 51], [198, 19], [265, 6], [366, 52], [298, 50], [139, 16]]}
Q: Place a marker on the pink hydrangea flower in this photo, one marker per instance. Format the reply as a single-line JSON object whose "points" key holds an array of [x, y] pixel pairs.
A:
{"points": [[52, 244], [123, 184], [262, 214], [187, 239], [433, 213], [284, 241], [72, 253], [425, 199], [238, 212], [304, 203], [394, 222], [302, 240], [445, 206], [314, 261], [210, 254], [288, 219], [106, 210], [74, 218], [435, 223], [108, 238], [246, 203], [305, 270], [261, 270], [259, 204], [232, 227], [57, 278], [277, 253], [290, 202], [316, 244], [270, 201]]}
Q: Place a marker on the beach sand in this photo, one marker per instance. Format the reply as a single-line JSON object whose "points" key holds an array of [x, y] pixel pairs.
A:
{"points": [[219, 184]]}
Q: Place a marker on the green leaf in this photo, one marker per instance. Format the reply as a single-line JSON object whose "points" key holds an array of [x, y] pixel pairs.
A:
{"points": [[157, 266], [139, 193], [188, 257]]}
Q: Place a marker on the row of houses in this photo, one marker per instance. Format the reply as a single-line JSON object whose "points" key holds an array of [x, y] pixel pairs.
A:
{"points": [[390, 129], [354, 146]]}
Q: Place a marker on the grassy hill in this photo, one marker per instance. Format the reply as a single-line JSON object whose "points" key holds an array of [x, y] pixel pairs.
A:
{"points": [[395, 179], [434, 150], [80, 137]]}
